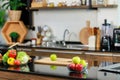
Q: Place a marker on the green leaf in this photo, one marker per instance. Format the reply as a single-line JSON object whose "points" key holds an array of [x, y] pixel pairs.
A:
{"points": [[2, 17], [13, 4], [5, 5]]}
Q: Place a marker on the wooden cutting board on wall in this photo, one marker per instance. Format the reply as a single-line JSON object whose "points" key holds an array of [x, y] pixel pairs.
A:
{"points": [[85, 33]]}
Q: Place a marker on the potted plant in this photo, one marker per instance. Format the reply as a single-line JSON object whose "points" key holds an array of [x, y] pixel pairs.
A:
{"points": [[14, 36], [13, 5]]}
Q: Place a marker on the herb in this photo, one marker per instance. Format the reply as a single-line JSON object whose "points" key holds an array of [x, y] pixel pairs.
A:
{"points": [[14, 35], [12, 4], [2, 17]]}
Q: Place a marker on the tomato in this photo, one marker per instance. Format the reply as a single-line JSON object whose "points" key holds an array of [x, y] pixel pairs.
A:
{"points": [[17, 62], [10, 61], [12, 53]]}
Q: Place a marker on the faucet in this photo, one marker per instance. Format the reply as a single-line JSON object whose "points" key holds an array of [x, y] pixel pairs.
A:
{"points": [[69, 38], [64, 35]]}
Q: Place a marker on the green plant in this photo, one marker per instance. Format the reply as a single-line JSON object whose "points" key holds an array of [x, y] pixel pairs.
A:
{"points": [[2, 17], [14, 35], [13, 4]]}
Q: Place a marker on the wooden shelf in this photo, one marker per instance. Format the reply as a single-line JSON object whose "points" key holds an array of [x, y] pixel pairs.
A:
{"points": [[107, 6], [75, 7], [14, 26], [63, 7]]}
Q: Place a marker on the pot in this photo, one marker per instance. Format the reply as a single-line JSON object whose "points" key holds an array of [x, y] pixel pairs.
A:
{"points": [[14, 15]]}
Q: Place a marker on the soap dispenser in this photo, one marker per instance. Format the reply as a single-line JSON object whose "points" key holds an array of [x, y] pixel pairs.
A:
{"points": [[92, 40]]}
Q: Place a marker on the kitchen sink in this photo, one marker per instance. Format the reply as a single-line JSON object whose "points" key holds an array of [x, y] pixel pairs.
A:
{"points": [[76, 46], [71, 45]]}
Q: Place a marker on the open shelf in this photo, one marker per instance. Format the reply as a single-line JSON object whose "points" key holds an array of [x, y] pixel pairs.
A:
{"points": [[37, 6], [105, 6], [14, 26], [75, 7]]}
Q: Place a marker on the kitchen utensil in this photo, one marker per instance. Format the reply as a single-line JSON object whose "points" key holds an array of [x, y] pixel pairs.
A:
{"points": [[45, 28], [39, 29], [116, 38], [106, 41], [85, 33]]}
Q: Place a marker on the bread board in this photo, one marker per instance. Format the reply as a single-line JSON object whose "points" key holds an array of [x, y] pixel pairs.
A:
{"points": [[59, 61], [85, 33]]}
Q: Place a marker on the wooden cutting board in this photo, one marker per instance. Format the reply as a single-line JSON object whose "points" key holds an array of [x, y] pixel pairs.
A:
{"points": [[59, 61], [85, 33]]}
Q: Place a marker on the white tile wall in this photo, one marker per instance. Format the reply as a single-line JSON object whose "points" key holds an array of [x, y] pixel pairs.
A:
{"points": [[71, 19]]}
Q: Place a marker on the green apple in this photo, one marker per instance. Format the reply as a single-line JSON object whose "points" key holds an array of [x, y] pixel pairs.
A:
{"points": [[53, 67], [76, 60], [83, 62], [84, 75], [53, 57]]}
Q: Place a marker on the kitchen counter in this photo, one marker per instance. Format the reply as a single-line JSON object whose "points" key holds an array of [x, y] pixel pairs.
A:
{"points": [[94, 57], [48, 72], [33, 71]]}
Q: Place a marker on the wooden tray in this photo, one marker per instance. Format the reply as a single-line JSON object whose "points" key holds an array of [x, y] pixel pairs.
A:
{"points": [[11, 26], [59, 61]]}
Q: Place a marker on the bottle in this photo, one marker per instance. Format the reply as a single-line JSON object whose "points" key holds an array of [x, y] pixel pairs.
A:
{"points": [[92, 40], [97, 34], [39, 39], [105, 2], [33, 41], [83, 2]]}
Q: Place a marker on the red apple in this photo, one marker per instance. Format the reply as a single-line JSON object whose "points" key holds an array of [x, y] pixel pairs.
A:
{"points": [[80, 75], [73, 74], [17, 62], [76, 74], [71, 66], [12, 53], [78, 67]]}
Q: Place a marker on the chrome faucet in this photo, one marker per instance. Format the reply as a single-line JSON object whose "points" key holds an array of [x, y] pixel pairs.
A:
{"points": [[72, 33], [64, 35]]}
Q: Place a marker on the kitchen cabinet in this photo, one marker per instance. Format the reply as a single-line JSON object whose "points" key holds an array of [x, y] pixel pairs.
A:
{"points": [[22, 76]]}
